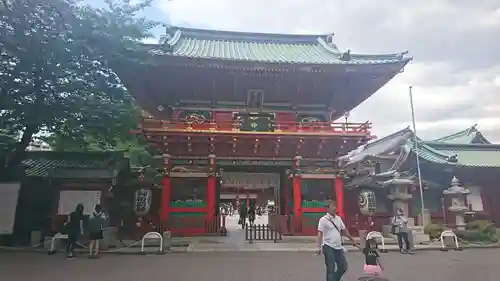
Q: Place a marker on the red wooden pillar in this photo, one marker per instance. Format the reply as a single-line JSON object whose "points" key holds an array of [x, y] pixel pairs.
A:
{"points": [[165, 192], [339, 194], [297, 196], [212, 181]]}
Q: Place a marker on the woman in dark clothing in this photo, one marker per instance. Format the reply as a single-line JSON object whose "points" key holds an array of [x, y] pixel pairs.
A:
{"points": [[74, 229], [243, 215], [251, 214]]}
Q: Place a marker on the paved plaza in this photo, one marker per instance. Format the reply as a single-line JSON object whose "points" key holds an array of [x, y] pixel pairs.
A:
{"points": [[469, 265]]}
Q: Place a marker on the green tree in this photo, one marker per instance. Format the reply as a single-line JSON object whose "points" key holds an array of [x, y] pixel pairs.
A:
{"points": [[56, 71]]}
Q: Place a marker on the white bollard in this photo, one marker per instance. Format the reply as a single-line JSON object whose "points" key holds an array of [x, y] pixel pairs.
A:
{"points": [[449, 233], [57, 236], [377, 235], [152, 235]]}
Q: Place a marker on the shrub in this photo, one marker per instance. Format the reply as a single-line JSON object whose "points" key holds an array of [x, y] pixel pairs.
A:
{"points": [[483, 226], [434, 230], [478, 231], [476, 236]]}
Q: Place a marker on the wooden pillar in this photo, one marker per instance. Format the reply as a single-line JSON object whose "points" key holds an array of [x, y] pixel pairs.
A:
{"points": [[211, 186], [165, 192], [339, 194], [297, 196]]}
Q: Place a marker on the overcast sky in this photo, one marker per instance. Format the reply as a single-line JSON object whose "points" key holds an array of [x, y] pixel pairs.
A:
{"points": [[455, 44]]}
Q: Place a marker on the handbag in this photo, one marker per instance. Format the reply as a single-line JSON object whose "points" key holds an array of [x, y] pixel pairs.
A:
{"points": [[394, 227], [393, 230]]}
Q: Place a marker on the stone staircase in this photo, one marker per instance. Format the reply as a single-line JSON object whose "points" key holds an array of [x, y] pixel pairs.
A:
{"points": [[419, 237]]}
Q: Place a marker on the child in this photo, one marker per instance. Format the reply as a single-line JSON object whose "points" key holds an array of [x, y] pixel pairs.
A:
{"points": [[372, 262], [96, 222]]}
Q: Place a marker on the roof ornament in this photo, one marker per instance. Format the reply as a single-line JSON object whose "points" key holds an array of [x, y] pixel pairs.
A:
{"points": [[452, 158], [169, 34], [346, 56], [401, 55], [472, 129], [329, 38]]}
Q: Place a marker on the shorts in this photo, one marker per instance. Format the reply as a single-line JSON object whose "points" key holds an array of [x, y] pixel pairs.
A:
{"points": [[95, 235], [372, 269]]}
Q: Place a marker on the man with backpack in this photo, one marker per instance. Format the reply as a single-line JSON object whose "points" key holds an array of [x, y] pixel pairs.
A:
{"points": [[330, 231], [96, 224]]}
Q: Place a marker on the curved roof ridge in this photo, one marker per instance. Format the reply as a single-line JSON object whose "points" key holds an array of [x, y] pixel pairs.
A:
{"points": [[467, 136], [231, 35], [388, 137], [464, 145], [400, 56], [464, 132]]}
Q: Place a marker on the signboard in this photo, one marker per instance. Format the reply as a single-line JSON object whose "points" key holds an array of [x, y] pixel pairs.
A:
{"points": [[68, 199], [8, 203]]}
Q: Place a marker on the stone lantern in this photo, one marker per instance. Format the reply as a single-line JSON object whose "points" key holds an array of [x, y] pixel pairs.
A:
{"points": [[399, 193], [458, 196]]}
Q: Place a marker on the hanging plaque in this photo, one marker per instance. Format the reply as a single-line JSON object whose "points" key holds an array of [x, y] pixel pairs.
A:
{"points": [[142, 201], [250, 180]]}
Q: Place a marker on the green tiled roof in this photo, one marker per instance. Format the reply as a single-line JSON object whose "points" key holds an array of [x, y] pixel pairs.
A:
{"points": [[467, 136], [263, 47], [472, 155], [92, 165], [453, 154]]}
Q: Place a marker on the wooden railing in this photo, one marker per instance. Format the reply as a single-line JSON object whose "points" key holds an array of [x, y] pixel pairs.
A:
{"points": [[187, 226], [296, 127]]}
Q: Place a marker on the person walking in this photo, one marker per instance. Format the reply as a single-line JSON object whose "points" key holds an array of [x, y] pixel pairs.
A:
{"points": [[400, 229], [251, 214], [96, 224], [243, 215], [330, 231], [74, 228]]}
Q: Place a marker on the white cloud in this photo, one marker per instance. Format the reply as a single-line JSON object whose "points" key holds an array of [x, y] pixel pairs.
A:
{"points": [[455, 74]]}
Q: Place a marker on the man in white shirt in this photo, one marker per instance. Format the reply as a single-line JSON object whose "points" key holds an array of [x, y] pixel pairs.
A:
{"points": [[330, 231]]}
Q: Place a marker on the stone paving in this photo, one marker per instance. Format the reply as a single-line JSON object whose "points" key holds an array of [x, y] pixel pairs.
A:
{"points": [[469, 265]]}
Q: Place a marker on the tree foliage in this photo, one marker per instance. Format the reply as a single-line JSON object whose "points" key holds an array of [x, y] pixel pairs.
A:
{"points": [[56, 71]]}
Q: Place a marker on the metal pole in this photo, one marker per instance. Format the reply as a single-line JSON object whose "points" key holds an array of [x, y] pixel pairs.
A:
{"points": [[415, 140]]}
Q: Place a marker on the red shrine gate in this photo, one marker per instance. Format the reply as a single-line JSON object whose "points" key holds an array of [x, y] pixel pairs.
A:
{"points": [[226, 102]]}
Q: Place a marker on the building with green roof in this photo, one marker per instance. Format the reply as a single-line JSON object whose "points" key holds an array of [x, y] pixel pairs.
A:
{"points": [[466, 155], [48, 174], [219, 100]]}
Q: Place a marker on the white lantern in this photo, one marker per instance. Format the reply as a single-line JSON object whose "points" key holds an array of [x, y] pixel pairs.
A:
{"points": [[367, 202], [142, 201]]}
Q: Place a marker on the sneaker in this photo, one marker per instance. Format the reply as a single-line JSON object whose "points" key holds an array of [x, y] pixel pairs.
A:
{"points": [[70, 257], [410, 252], [402, 251]]}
